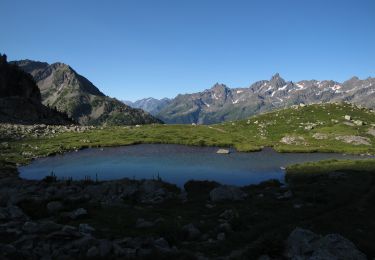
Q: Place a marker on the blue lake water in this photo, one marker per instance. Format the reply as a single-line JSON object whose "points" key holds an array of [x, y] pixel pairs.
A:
{"points": [[173, 163]]}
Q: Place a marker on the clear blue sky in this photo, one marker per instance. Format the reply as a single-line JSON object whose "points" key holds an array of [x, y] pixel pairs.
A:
{"points": [[136, 48]]}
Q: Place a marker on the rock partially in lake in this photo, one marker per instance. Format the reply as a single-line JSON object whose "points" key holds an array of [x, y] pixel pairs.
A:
{"points": [[305, 244], [223, 151], [227, 192]]}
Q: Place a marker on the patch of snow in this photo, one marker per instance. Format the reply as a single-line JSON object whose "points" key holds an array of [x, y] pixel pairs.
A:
{"points": [[273, 93], [283, 87], [236, 101], [239, 91], [300, 86], [215, 97], [336, 87]]}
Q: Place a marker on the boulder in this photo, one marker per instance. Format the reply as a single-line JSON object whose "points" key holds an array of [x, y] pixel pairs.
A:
{"points": [[141, 223], [191, 232], [305, 244], [223, 151], [92, 252], [85, 229], [347, 117], [227, 192], [78, 213], [54, 206]]}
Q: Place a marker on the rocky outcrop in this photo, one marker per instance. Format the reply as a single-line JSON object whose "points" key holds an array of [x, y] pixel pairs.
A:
{"points": [[305, 244], [20, 99]]}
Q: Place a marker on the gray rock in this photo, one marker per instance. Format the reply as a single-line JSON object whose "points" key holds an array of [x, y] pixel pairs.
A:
{"points": [[286, 195], [162, 245], [220, 236], [226, 192], [78, 213], [30, 227], [141, 223], [54, 207], [15, 213], [222, 151], [305, 244], [92, 252], [354, 139], [191, 231], [105, 247], [85, 228], [228, 215]]}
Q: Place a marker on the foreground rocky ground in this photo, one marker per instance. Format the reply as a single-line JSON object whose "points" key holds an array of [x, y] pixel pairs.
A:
{"points": [[65, 219]]}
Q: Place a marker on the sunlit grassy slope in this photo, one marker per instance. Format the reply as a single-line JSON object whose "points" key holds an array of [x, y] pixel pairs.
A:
{"points": [[313, 128]]}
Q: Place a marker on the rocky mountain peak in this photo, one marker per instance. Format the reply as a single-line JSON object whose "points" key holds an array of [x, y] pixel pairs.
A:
{"points": [[277, 81], [219, 87]]}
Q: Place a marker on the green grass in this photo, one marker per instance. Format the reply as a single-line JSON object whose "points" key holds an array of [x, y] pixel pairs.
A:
{"points": [[322, 167]]}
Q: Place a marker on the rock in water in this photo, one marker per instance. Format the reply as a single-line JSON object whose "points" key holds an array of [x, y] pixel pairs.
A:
{"points": [[223, 151]]}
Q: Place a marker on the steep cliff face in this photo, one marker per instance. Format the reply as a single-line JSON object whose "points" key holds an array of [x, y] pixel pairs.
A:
{"points": [[20, 98], [62, 87]]}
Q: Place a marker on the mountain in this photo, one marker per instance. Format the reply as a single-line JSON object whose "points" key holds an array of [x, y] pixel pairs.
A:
{"points": [[151, 105], [63, 88], [20, 98], [221, 103]]}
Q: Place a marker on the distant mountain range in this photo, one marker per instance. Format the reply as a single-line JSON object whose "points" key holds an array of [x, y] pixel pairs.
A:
{"points": [[221, 103], [63, 88], [20, 99], [151, 105]]}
